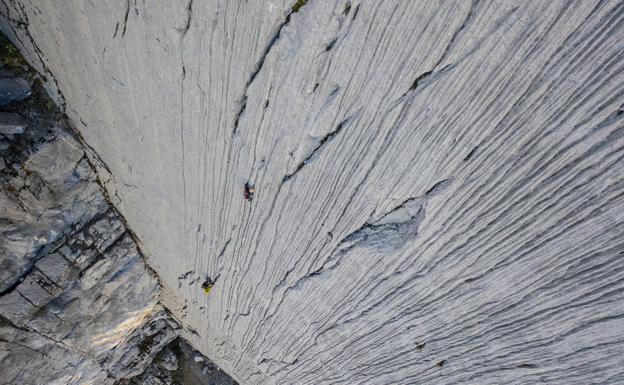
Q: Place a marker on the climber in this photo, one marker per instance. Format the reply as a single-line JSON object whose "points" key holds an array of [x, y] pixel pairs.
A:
{"points": [[249, 191]]}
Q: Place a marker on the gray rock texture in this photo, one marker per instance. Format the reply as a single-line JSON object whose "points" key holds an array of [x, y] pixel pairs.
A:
{"points": [[78, 304], [357, 192], [12, 89], [11, 124], [179, 363]]}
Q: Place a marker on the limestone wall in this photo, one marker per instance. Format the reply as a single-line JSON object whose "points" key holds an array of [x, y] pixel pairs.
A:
{"points": [[378, 192]]}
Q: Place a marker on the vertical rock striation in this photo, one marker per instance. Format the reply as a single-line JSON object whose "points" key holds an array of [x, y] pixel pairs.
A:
{"points": [[346, 192]]}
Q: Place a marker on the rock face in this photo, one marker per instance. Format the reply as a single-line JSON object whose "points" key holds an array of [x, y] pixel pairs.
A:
{"points": [[78, 304], [179, 363], [379, 192]]}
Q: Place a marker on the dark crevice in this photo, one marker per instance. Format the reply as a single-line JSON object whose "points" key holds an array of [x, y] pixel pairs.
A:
{"points": [[34, 305], [222, 253], [331, 45], [471, 153], [18, 23], [456, 34], [189, 11], [28, 348], [419, 79], [299, 283], [271, 360], [326, 139], [118, 81], [439, 187], [403, 205], [116, 30], [189, 15], [243, 104], [240, 113], [125, 21], [224, 248], [282, 282], [355, 12], [427, 78], [186, 275]]}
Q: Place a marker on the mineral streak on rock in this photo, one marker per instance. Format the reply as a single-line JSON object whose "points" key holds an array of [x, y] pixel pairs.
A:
{"points": [[438, 185]]}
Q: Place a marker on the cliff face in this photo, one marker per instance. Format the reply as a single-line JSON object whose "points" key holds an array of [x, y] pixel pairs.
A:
{"points": [[78, 304], [361, 192]]}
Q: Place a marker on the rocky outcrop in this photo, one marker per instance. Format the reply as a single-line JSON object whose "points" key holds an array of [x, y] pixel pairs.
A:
{"points": [[78, 304], [179, 363], [361, 192]]}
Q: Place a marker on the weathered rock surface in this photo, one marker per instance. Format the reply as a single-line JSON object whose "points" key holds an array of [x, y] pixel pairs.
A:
{"points": [[78, 304], [179, 363], [32, 359], [12, 89], [438, 186], [11, 124]]}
